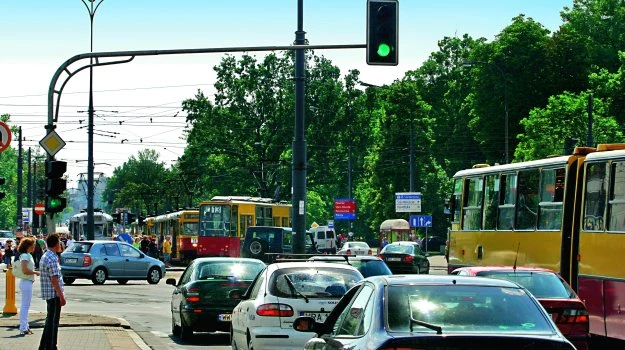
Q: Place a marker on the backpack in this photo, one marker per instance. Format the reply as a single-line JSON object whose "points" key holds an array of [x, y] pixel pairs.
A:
{"points": [[38, 247]]}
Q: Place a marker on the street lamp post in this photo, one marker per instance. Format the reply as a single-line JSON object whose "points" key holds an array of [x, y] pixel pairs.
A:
{"points": [[469, 64], [90, 222]]}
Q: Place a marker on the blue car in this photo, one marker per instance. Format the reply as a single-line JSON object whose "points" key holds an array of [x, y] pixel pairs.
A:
{"points": [[435, 312], [104, 260]]}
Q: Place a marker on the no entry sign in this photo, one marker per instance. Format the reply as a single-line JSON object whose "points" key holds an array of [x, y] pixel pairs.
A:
{"points": [[40, 209], [5, 136]]}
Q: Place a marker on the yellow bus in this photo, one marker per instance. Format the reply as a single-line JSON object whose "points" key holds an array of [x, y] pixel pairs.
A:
{"points": [[183, 227], [224, 220], [565, 213]]}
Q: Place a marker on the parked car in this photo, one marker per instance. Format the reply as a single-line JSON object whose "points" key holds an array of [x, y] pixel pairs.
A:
{"points": [[200, 301], [266, 242], [434, 312], [355, 248], [103, 260], [283, 291], [325, 239], [556, 296], [405, 257], [434, 244], [367, 265]]}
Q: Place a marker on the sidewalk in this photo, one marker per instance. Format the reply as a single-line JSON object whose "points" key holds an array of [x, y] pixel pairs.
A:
{"points": [[76, 332]]}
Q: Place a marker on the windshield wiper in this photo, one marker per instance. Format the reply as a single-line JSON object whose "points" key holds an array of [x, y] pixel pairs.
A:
{"points": [[290, 283], [438, 329]]}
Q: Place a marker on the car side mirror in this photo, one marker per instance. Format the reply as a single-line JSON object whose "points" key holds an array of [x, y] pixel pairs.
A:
{"points": [[236, 294], [171, 281], [305, 324]]}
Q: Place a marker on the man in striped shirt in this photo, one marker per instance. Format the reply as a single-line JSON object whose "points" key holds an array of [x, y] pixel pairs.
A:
{"points": [[51, 291]]}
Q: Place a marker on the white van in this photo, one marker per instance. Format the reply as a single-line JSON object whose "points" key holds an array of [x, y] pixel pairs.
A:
{"points": [[325, 238]]}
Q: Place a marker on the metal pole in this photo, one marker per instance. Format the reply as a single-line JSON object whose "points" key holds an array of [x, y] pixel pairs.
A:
{"points": [[505, 103], [589, 139], [20, 169], [411, 159], [299, 143], [35, 195], [90, 160], [29, 185]]}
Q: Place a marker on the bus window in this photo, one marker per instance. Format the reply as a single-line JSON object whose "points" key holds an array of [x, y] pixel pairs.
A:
{"points": [[551, 197], [263, 216], [491, 201], [455, 201], [472, 209], [527, 200], [506, 206], [617, 198], [596, 191]]}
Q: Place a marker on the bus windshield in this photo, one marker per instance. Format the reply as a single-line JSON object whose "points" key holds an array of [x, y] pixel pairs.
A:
{"points": [[191, 228], [215, 220]]}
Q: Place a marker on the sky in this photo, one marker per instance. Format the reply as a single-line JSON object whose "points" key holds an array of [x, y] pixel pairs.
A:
{"points": [[138, 104]]}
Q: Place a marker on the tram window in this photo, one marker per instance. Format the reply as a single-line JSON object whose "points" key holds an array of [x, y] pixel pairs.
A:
{"points": [[527, 200], [455, 201], [472, 210], [551, 197], [491, 201], [595, 199], [617, 198], [507, 204]]}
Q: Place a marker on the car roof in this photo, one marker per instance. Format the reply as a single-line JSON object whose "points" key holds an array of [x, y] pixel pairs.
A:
{"points": [[226, 259], [393, 280], [405, 243], [341, 257], [285, 265], [477, 269]]}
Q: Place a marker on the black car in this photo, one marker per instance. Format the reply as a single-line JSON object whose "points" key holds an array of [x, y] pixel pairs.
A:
{"points": [[434, 312], [267, 242], [405, 257], [201, 300], [367, 265], [434, 244]]}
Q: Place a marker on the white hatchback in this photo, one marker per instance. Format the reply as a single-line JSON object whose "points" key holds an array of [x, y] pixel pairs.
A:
{"points": [[281, 293]]}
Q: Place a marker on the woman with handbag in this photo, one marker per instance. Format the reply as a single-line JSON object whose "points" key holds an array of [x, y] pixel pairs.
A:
{"points": [[25, 271]]}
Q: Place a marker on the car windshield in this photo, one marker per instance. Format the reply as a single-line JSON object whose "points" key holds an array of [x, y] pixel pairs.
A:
{"points": [[6, 234], [464, 309], [541, 284], [312, 282], [237, 270], [396, 248], [79, 247], [358, 245]]}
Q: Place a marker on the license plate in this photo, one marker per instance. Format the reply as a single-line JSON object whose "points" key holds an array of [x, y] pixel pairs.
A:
{"points": [[317, 316], [394, 259], [71, 261], [225, 317]]}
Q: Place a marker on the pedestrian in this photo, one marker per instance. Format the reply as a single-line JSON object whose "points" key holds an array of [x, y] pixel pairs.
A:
{"points": [[167, 251], [153, 248], [25, 272], [384, 242], [137, 242], [52, 292], [8, 252], [145, 242], [40, 246], [16, 254]]}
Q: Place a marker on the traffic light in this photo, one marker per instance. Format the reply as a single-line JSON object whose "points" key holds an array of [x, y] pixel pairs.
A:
{"points": [[55, 186], [382, 32], [140, 220], [2, 182], [117, 218]]}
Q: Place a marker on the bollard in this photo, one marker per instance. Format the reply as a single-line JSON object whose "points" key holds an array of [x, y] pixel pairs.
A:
{"points": [[9, 306]]}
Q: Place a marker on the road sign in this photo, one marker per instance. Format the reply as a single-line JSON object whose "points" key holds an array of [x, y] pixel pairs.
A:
{"points": [[330, 223], [52, 143], [420, 221], [344, 209], [5, 136], [40, 209], [408, 202]]}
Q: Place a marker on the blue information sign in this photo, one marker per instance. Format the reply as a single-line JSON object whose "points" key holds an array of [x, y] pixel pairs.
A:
{"points": [[420, 221]]}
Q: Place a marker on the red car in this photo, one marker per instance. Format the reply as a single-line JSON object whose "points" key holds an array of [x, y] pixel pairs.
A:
{"points": [[554, 294]]}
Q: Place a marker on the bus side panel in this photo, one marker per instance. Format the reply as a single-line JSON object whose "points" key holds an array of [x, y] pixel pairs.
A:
{"points": [[591, 292], [218, 246]]}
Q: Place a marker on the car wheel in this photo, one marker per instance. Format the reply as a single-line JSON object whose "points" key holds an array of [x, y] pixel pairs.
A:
{"points": [[154, 276], [175, 329], [122, 281], [257, 248], [186, 333], [99, 276], [68, 280]]}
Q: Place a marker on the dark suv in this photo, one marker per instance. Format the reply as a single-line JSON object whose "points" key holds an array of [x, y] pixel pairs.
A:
{"points": [[266, 242]]}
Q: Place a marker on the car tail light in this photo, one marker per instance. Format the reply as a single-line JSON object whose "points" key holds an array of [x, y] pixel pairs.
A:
{"points": [[86, 261], [193, 295], [370, 252], [274, 310], [573, 322], [348, 252], [408, 258]]}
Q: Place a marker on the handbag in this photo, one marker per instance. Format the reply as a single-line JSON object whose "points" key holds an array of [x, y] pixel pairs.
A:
{"points": [[17, 270]]}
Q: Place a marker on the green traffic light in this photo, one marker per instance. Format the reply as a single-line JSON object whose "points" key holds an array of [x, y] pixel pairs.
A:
{"points": [[55, 203], [384, 50]]}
